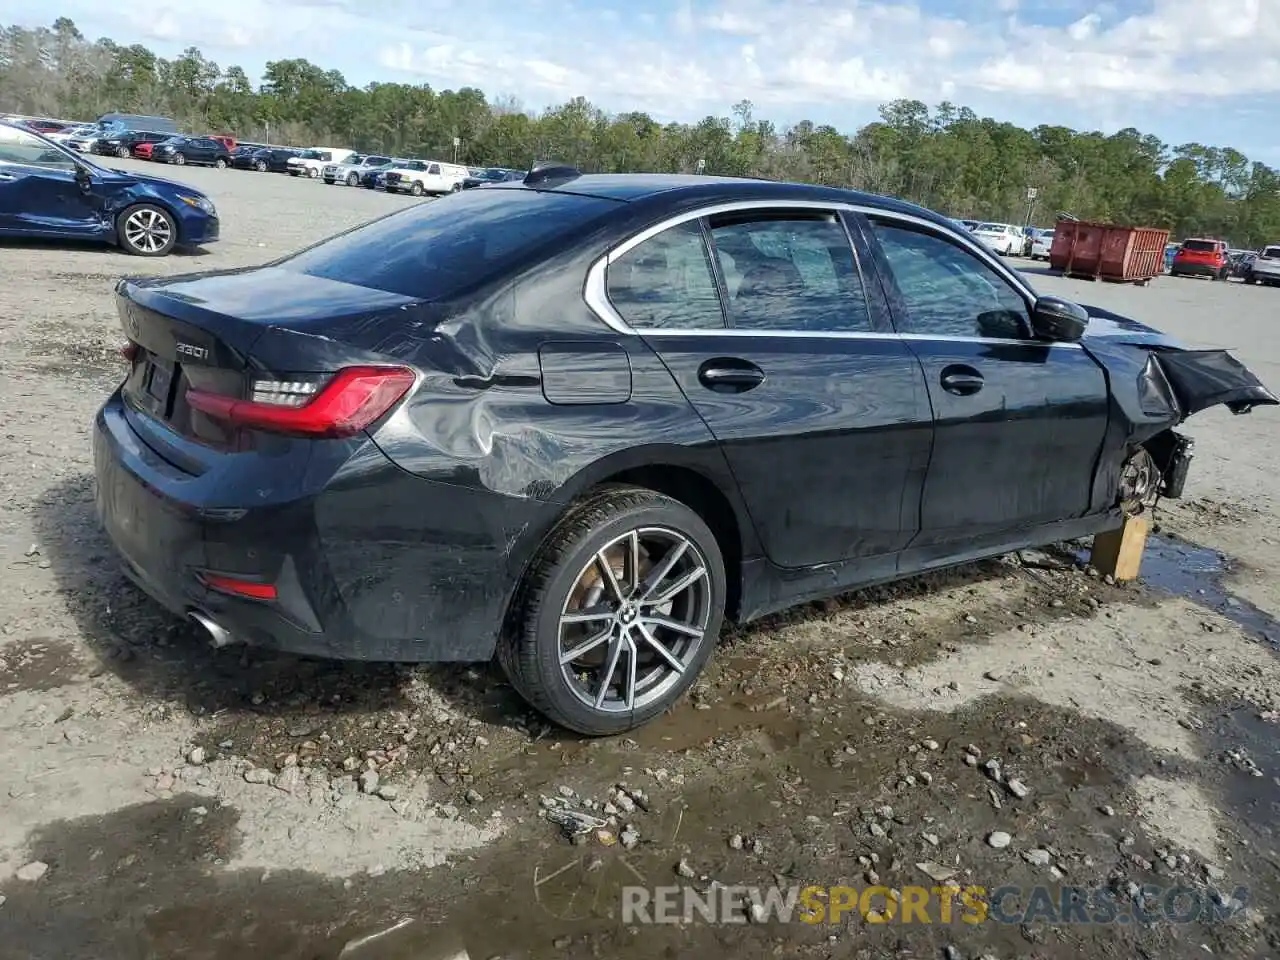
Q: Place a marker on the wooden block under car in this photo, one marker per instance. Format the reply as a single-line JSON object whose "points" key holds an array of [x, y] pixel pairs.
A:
{"points": [[1119, 552]]}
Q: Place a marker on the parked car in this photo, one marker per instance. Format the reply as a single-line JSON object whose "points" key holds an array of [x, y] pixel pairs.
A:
{"points": [[1001, 237], [74, 132], [1242, 267], [420, 177], [143, 151], [971, 225], [599, 563], [375, 177], [43, 126], [273, 159], [227, 141], [201, 150], [311, 162], [123, 144], [47, 190], [491, 175], [1201, 258], [1265, 266], [1041, 243], [349, 171]]}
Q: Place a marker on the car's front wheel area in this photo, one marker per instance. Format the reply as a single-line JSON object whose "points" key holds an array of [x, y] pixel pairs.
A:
{"points": [[146, 230], [618, 614]]}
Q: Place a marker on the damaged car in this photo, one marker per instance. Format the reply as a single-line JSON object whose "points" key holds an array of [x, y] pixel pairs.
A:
{"points": [[576, 421], [49, 192]]}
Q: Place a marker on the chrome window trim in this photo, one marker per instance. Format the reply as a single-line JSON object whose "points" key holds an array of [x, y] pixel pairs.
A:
{"points": [[595, 288]]}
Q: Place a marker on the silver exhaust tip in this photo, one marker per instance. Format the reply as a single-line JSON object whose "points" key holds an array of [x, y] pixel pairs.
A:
{"points": [[219, 636]]}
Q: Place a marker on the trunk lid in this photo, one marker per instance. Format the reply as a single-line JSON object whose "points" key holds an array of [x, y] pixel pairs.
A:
{"points": [[219, 332]]}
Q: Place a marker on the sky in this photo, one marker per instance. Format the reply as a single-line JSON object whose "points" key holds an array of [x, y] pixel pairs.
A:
{"points": [[1185, 70]]}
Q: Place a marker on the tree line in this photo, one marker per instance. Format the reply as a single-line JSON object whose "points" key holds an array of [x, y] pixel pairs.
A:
{"points": [[946, 158]]}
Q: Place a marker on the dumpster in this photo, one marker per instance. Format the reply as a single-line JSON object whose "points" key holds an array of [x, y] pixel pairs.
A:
{"points": [[1105, 251]]}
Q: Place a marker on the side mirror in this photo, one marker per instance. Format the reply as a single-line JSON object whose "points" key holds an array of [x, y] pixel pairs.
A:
{"points": [[83, 176], [1053, 318]]}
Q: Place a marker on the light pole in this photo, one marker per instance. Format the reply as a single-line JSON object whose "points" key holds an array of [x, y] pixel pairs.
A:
{"points": [[457, 142]]}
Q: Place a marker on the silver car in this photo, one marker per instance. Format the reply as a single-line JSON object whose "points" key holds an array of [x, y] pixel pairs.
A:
{"points": [[350, 171]]}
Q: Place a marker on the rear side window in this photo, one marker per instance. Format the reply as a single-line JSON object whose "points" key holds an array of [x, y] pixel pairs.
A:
{"points": [[666, 283], [434, 250], [789, 272]]}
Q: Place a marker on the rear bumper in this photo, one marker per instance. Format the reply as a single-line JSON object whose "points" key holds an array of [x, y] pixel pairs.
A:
{"points": [[378, 564], [1197, 269]]}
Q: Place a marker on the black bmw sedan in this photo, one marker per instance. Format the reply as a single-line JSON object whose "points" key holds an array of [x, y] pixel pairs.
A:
{"points": [[578, 420]]}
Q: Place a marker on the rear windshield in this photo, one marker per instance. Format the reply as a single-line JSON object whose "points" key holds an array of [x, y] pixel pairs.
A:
{"points": [[1200, 246], [992, 228], [433, 250], [1271, 253]]}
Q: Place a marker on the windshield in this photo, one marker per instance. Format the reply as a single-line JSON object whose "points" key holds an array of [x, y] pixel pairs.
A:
{"points": [[309, 155], [992, 228], [435, 250]]}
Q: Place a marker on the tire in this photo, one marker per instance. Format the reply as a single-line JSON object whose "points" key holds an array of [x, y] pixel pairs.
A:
{"points": [[220, 164], [146, 230], [260, 166], [560, 575], [455, 188], [180, 159], [122, 153], [353, 179], [417, 189], [313, 173]]}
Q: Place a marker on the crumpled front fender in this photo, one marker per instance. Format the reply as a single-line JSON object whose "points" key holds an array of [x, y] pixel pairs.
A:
{"points": [[1200, 379]]}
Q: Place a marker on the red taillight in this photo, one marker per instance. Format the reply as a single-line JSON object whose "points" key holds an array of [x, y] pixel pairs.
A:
{"points": [[354, 398], [252, 589]]}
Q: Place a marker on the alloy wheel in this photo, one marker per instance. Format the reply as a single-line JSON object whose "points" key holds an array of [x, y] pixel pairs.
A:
{"points": [[180, 159], [635, 620], [147, 230]]}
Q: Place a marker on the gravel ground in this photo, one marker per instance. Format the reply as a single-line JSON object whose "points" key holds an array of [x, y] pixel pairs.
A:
{"points": [[163, 799]]}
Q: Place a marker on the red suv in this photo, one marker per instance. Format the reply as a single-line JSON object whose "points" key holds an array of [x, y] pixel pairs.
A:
{"points": [[1201, 258]]}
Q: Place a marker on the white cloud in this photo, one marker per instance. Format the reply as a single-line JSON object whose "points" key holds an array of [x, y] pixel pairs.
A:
{"points": [[682, 58]]}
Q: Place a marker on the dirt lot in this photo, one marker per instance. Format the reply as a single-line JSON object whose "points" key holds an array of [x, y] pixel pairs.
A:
{"points": [[187, 803]]}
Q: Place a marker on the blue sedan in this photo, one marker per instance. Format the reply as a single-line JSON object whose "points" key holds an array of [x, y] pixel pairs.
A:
{"points": [[47, 190]]}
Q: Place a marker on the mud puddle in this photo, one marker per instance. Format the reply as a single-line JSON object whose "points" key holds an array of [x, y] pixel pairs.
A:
{"points": [[37, 663], [835, 808], [1197, 573]]}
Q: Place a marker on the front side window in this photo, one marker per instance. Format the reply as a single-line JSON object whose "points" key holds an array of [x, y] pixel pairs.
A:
{"points": [[948, 291], [665, 282], [23, 149], [789, 272]]}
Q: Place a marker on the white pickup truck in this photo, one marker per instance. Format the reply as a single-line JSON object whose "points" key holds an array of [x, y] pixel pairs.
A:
{"points": [[425, 176], [1266, 266], [309, 163]]}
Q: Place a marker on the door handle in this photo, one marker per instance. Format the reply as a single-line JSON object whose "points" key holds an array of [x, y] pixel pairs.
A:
{"points": [[730, 376], [962, 381]]}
